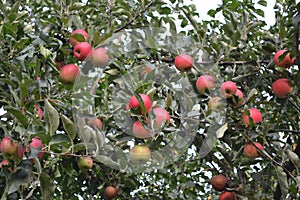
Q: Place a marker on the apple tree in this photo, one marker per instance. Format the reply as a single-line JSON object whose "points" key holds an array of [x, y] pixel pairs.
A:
{"points": [[146, 100]]}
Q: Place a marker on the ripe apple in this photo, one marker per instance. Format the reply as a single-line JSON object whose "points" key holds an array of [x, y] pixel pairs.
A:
{"points": [[219, 182], [146, 70], [282, 88], [134, 103], [205, 82], [36, 143], [250, 151], [140, 154], [228, 89], [238, 100], [39, 111], [9, 148], [215, 103], [110, 192], [183, 62], [140, 131], [100, 57], [85, 163], [227, 196], [82, 32], [161, 117], [82, 50], [4, 163], [286, 62], [254, 114], [68, 73], [95, 123]]}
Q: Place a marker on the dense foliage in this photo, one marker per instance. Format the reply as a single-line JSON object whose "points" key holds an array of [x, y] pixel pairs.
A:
{"points": [[236, 45]]}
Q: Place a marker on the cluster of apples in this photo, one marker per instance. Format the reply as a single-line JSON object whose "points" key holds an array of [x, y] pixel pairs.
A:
{"points": [[219, 183], [282, 87], [11, 150], [82, 50], [144, 129], [228, 91]]}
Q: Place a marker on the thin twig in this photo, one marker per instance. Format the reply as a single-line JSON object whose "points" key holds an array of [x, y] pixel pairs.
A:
{"points": [[135, 17]]}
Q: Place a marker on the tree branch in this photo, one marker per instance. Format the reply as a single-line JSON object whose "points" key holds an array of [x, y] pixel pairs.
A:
{"points": [[135, 17]]}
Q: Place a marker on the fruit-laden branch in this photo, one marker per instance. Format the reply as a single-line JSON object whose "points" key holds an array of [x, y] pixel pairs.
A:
{"points": [[135, 17]]}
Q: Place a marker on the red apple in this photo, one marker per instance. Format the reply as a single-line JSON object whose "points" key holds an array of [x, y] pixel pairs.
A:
{"points": [[140, 131], [161, 117], [82, 50], [183, 62], [219, 182], [204, 83], [227, 196], [134, 103], [286, 62], [39, 111], [250, 151], [4, 163], [85, 163], [100, 57], [282, 88], [228, 89], [215, 103], [254, 114], [239, 100], [110, 192], [36, 143], [146, 70], [95, 123], [68, 73], [82, 32], [9, 148], [140, 154]]}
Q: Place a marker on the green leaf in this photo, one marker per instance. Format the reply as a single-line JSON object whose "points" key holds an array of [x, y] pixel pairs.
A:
{"points": [[282, 180], [51, 118], [47, 186], [19, 116], [220, 132], [60, 139], [294, 158], [79, 37], [17, 179], [262, 2], [69, 127]]}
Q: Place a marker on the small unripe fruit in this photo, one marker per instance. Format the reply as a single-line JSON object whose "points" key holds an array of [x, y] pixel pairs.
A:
{"points": [[110, 192], [204, 83], [228, 89], [227, 196], [162, 117], [82, 50], [219, 182], [282, 88], [85, 163], [140, 131], [82, 32], [4, 163], [95, 123], [286, 62], [140, 154], [68, 73], [183, 62], [254, 114], [250, 151], [100, 57], [9, 148], [134, 103], [36, 143]]}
